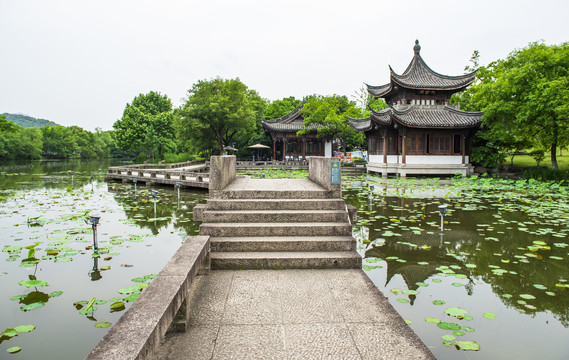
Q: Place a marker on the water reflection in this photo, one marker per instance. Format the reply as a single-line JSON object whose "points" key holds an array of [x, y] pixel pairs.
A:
{"points": [[511, 240]]}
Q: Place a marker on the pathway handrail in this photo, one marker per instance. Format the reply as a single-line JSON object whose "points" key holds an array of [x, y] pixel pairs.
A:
{"points": [[161, 165], [142, 327]]}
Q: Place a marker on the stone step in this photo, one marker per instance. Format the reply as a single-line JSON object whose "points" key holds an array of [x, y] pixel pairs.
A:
{"points": [[285, 260], [277, 229], [276, 194], [274, 216], [282, 243], [273, 204]]}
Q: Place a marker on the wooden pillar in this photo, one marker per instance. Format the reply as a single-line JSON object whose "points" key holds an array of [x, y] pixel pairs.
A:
{"points": [[284, 149], [274, 149], [404, 149], [303, 149], [463, 148], [384, 147]]}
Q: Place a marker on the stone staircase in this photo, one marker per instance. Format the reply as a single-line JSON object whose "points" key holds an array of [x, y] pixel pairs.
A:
{"points": [[300, 227]]}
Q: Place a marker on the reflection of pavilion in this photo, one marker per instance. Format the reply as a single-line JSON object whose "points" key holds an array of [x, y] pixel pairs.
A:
{"points": [[411, 271]]}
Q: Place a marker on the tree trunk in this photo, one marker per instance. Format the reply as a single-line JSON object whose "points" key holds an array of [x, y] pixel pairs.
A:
{"points": [[554, 154]]}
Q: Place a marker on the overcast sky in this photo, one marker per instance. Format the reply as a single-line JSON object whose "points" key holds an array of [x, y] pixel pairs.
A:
{"points": [[80, 62]]}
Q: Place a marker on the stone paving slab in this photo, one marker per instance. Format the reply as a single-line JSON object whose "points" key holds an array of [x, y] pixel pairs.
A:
{"points": [[291, 314], [246, 183]]}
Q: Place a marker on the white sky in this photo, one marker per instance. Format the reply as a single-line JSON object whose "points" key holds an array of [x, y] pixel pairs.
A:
{"points": [[79, 62]]}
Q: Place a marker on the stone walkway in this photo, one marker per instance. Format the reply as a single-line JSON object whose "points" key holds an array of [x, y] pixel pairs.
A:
{"points": [[248, 184], [291, 314]]}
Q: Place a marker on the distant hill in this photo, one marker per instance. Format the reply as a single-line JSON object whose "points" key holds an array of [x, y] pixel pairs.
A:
{"points": [[28, 121]]}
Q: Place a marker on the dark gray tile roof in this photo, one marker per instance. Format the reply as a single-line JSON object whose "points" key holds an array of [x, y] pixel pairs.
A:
{"points": [[415, 116], [378, 91], [382, 117], [435, 117], [291, 122], [420, 76], [360, 124]]}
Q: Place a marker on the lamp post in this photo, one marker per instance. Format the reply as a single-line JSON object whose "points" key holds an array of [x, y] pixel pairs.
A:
{"points": [[135, 181], [94, 221], [154, 194], [443, 210]]}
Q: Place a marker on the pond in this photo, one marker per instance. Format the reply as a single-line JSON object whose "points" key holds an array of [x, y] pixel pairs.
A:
{"points": [[495, 279], [50, 275], [497, 274]]}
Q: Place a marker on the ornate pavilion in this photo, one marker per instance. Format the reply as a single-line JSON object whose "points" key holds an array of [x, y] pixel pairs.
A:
{"points": [[420, 132], [288, 145]]}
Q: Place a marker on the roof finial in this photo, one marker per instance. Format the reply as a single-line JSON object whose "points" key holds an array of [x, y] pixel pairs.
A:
{"points": [[417, 47]]}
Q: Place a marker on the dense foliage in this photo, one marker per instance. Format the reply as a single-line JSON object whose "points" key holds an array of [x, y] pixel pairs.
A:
{"points": [[216, 112], [147, 125], [56, 142], [327, 115], [525, 100]]}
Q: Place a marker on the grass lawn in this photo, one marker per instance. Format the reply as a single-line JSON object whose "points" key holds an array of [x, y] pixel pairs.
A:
{"points": [[528, 161]]}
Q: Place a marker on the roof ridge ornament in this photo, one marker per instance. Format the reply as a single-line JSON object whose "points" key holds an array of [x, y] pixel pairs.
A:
{"points": [[417, 47]]}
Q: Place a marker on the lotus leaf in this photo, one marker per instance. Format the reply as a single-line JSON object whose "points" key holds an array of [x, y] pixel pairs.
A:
{"points": [[456, 312], [32, 306], [448, 337], [14, 349], [438, 302], [467, 345], [132, 297], [9, 332], [103, 324], [32, 283], [432, 320], [489, 315], [24, 328], [448, 326]]}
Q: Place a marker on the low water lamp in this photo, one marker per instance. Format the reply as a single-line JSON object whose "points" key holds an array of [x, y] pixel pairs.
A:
{"points": [[443, 210]]}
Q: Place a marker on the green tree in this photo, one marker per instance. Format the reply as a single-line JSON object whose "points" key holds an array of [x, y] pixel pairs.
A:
{"points": [[147, 125], [525, 98], [216, 112], [327, 116], [280, 108]]}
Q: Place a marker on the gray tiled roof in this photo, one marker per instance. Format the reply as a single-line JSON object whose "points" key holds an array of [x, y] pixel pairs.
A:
{"points": [[382, 117], [291, 122], [420, 76], [360, 124], [378, 91], [430, 117], [435, 117]]}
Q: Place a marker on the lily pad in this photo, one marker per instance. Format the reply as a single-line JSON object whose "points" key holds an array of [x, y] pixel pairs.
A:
{"points": [[438, 302], [24, 328], [432, 320], [489, 315], [32, 306], [456, 312], [467, 345], [103, 324], [448, 337], [448, 326], [14, 349], [32, 283], [132, 297], [403, 301]]}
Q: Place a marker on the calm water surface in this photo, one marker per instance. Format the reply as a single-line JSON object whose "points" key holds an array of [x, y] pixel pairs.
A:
{"points": [[501, 259], [43, 205]]}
